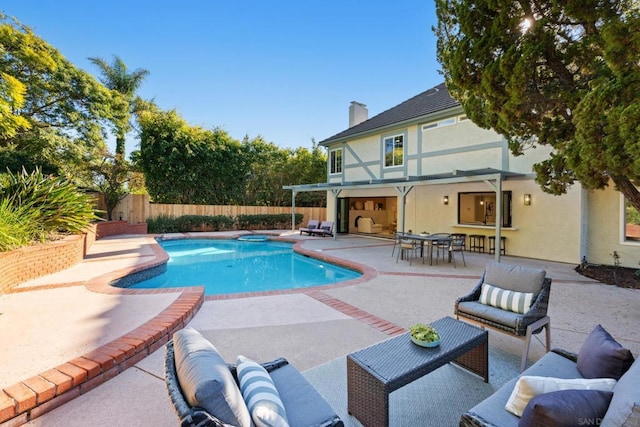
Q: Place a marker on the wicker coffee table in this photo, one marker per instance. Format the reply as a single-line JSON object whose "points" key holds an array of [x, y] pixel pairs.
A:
{"points": [[374, 372]]}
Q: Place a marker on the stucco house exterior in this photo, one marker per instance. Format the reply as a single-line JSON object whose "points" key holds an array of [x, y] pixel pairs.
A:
{"points": [[424, 166]]}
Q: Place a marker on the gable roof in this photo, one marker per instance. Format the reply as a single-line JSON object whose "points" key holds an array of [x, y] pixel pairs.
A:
{"points": [[428, 102]]}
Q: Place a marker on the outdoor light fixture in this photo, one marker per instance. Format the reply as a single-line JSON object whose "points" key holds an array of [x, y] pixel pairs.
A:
{"points": [[445, 200], [120, 215], [527, 199]]}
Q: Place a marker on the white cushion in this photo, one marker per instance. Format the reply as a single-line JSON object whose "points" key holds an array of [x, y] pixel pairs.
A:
{"points": [[260, 394], [518, 302], [528, 387]]}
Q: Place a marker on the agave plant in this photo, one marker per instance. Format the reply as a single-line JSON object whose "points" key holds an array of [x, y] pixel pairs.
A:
{"points": [[40, 206]]}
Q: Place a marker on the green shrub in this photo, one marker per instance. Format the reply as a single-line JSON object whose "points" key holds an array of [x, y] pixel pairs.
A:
{"points": [[40, 207], [162, 224], [187, 223], [266, 221], [16, 226]]}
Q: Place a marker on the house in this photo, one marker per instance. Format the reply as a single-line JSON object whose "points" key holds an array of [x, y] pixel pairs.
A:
{"points": [[424, 166]]}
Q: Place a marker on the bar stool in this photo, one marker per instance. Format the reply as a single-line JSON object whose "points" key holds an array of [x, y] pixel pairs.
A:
{"points": [[503, 245], [476, 242]]}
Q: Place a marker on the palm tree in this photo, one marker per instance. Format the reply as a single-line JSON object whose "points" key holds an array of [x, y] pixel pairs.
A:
{"points": [[115, 76], [113, 173]]}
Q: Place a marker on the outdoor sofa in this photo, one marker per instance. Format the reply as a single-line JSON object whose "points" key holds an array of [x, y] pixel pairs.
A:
{"points": [[206, 391], [557, 402]]}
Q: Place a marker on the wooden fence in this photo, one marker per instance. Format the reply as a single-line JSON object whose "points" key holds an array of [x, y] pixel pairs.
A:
{"points": [[136, 208]]}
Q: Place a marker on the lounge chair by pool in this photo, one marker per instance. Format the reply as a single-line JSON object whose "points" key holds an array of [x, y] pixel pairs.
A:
{"points": [[312, 225]]}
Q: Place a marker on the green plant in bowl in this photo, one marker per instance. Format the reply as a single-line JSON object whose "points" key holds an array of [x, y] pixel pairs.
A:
{"points": [[424, 335]]}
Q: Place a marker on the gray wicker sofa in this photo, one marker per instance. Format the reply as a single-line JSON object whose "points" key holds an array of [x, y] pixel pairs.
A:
{"points": [[195, 370], [621, 410]]}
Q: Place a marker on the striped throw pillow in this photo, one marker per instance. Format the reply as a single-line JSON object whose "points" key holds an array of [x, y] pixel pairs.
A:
{"points": [[260, 394], [518, 302]]}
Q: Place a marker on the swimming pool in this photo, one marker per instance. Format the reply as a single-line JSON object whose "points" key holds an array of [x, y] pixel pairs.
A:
{"points": [[232, 266]]}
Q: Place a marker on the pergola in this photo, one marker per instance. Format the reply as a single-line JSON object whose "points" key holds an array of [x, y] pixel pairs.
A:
{"points": [[403, 186]]}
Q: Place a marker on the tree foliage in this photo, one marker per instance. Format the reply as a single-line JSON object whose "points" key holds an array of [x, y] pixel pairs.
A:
{"points": [[185, 164], [113, 173], [117, 77], [560, 73], [52, 112]]}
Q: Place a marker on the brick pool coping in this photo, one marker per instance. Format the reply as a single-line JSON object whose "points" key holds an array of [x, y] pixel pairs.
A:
{"points": [[41, 393], [37, 395]]}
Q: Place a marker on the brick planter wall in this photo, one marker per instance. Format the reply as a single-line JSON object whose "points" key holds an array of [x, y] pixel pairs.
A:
{"points": [[115, 228], [34, 261]]}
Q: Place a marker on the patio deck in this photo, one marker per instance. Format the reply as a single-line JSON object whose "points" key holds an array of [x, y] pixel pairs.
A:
{"points": [[47, 322]]}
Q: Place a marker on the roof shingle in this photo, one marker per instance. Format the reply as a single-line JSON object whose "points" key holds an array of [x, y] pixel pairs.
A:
{"points": [[428, 102]]}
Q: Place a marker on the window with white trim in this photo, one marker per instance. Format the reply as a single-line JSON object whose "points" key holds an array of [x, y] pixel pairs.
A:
{"points": [[631, 222], [335, 161], [393, 151], [479, 208], [444, 122]]}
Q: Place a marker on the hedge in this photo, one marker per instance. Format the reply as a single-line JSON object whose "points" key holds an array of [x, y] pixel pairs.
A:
{"points": [[189, 223]]}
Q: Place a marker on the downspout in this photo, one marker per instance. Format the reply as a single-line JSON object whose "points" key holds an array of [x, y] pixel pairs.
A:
{"points": [[335, 193], [584, 223]]}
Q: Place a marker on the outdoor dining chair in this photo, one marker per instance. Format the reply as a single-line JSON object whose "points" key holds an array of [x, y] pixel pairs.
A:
{"points": [[440, 244], [457, 244], [408, 247], [397, 237]]}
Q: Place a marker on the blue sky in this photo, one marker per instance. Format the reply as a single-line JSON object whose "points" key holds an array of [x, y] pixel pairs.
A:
{"points": [[285, 70]]}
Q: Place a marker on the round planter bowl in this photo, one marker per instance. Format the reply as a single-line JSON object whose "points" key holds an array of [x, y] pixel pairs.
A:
{"points": [[424, 343]]}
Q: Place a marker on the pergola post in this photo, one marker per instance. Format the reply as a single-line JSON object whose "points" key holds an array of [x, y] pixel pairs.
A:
{"points": [[498, 189], [404, 190], [293, 210], [336, 192]]}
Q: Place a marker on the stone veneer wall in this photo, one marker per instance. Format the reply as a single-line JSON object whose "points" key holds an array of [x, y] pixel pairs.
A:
{"points": [[27, 263]]}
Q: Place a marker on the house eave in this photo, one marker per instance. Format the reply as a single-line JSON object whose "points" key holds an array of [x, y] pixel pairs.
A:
{"points": [[392, 126]]}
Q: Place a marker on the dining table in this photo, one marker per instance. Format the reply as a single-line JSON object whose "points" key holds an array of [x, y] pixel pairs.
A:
{"points": [[431, 239]]}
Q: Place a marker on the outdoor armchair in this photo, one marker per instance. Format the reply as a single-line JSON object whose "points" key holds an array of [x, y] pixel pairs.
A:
{"points": [[194, 368], [487, 309]]}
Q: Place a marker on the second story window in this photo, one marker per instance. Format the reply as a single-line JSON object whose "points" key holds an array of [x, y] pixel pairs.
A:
{"points": [[393, 150], [335, 161]]}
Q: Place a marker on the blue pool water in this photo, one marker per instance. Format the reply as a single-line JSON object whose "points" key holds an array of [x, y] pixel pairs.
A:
{"points": [[232, 266]]}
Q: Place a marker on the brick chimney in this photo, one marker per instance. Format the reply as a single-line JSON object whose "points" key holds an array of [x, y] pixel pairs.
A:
{"points": [[358, 113]]}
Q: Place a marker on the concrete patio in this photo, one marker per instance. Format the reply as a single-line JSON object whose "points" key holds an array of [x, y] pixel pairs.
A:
{"points": [[48, 322]]}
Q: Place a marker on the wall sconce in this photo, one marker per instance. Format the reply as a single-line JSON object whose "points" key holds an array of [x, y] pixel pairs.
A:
{"points": [[120, 215], [527, 199], [445, 200]]}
